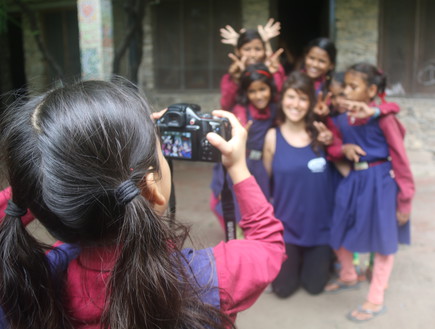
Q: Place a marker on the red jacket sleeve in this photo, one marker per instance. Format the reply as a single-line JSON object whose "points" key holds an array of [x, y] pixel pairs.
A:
{"points": [[388, 108], [240, 113], [246, 267], [394, 133], [279, 77], [5, 196], [228, 92], [334, 151]]}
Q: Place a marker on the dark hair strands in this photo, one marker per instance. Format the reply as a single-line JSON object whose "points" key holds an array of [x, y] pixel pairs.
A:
{"points": [[329, 47], [248, 36], [371, 74], [302, 83], [255, 72], [65, 165]]}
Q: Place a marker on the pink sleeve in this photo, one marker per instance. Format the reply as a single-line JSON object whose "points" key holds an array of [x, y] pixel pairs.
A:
{"points": [[246, 267], [394, 133], [334, 150], [5, 196], [228, 92], [279, 77], [240, 113], [389, 107]]}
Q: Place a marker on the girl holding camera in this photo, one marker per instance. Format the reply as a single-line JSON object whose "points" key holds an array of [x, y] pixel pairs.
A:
{"points": [[86, 160]]}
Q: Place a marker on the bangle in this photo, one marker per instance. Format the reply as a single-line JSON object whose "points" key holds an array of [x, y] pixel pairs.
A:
{"points": [[377, 112]]}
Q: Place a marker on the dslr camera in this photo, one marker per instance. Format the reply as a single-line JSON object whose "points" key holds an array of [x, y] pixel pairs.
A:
{"points": [[183, 129]]}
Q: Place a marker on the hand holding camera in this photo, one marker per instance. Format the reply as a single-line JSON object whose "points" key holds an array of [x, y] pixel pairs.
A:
{"points": [[183, 129], [234, 150]]}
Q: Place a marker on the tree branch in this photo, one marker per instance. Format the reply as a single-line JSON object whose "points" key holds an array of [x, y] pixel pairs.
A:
{"points": [[54, 66]]}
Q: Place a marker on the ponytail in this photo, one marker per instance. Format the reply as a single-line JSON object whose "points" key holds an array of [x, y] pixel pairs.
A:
{"points": [[149, 286], [29, 288], [77, 158]]}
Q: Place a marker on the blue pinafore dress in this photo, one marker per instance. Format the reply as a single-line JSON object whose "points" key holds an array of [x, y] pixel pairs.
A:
{"points": [[254, 160], [366, 201], [303, 193]]}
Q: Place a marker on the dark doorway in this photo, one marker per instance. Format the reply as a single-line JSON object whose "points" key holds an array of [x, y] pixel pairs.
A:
{"points": [[18, 75], [301, 22], [13, 78]]}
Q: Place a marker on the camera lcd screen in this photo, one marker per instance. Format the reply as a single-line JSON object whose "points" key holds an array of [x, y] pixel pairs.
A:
{"points": [[177, 144]]}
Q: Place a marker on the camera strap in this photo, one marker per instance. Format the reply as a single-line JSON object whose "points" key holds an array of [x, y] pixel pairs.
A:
{"points": [[228, 209], [172, 201]]}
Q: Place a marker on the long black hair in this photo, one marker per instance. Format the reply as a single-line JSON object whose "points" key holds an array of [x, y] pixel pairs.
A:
{"points": [[248, 36], [255, 72], [372, 76], [302, 83], [329, 47], [68, 153]]}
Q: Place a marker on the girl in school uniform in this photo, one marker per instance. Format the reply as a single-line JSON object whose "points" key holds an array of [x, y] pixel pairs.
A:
{"points": [[249, 49], [85, 159], [256, 110], [302, 190], [373, 203], [319, 63]]}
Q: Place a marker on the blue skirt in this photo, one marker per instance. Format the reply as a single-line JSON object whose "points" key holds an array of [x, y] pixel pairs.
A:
{"points": [[256, 168], [364, 217]]}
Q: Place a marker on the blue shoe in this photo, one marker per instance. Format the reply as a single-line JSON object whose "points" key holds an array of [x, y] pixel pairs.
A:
{"points": [[373, 314], [341, 286]]}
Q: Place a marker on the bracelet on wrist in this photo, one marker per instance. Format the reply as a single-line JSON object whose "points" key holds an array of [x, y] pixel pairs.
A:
{"points": [[377, 112]]}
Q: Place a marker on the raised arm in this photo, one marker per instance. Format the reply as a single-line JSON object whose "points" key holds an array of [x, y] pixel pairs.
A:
{"points": [[245, 267]]}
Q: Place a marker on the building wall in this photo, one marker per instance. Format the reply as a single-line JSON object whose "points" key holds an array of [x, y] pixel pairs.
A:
{"points": [[35, 67], [255, 12], [418, 117], [357, 40], [356, 31]]}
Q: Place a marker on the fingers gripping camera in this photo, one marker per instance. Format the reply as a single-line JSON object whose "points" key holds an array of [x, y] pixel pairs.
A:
{"points": [[183, 129]]}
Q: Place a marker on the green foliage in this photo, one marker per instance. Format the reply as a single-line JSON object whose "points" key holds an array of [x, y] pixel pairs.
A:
{"points": [[5, 17]]}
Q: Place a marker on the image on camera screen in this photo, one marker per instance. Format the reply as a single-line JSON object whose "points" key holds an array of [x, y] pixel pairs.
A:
{"points": [[177, 144]]}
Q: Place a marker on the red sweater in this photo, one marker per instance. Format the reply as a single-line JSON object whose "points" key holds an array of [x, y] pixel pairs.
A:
{"points": [[244, 267]]}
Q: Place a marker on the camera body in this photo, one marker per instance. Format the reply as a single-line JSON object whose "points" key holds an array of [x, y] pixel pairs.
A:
{"points": [[183, 129]]}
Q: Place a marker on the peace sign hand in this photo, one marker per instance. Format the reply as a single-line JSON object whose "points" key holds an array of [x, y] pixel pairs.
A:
{"points": [[321, 108], [358, 110], [229, 35], [270, 30], [237, 67], [272, 62], [325, 135]]}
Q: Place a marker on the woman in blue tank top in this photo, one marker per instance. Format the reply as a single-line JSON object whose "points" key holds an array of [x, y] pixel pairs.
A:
{"points": [[302, 190]]}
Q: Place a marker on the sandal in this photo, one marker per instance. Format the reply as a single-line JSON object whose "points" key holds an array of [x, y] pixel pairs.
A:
{"points": [[341, 286], [361, 310]]}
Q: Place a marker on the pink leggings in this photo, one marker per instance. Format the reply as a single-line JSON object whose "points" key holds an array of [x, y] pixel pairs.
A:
{"points": [[382, 268]]}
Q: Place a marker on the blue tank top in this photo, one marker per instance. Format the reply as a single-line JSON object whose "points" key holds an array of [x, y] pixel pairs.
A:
{"points": [[303, 193]]}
